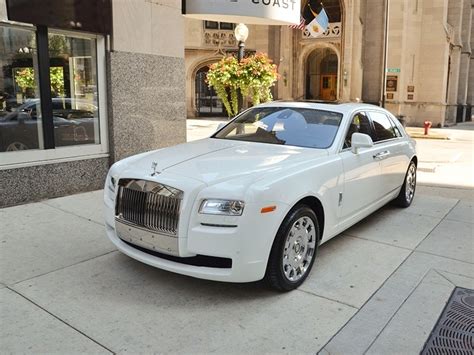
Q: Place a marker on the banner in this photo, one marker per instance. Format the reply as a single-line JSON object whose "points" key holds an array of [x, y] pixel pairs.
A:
{"points": [[260, 12]]}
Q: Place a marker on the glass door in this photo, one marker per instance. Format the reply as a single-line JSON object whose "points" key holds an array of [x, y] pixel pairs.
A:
{"points": [[207, 102]]}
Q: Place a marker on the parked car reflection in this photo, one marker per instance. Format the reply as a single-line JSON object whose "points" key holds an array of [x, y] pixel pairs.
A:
{"points": [[75, 122]]}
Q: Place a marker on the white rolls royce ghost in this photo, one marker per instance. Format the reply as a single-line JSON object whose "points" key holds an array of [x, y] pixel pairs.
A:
{"points": [[256, 199]]}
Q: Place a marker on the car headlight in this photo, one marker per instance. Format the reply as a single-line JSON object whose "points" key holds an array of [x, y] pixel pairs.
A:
{"points": [[112, 184], [222, 207]]}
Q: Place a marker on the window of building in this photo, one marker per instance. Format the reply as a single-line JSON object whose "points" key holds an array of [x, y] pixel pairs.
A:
{"points": [[72, 121], [384, 129], [214, 25], [20, 115]]}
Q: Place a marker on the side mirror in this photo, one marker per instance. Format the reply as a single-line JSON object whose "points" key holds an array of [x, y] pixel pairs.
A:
{"points": [[22, 117], [220, 126], [360, 140]]}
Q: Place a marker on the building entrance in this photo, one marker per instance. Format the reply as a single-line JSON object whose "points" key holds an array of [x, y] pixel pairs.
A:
{"points": [[206, 100], [322, 75]]}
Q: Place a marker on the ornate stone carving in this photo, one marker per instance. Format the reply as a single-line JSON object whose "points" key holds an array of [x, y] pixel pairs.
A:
{"points": [[217, 38]]}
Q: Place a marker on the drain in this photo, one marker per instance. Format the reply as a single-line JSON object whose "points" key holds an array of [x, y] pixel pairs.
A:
{"points": [[454, 331]]}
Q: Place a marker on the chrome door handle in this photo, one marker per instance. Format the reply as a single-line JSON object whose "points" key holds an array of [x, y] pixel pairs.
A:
{"points": [[381, 155]]}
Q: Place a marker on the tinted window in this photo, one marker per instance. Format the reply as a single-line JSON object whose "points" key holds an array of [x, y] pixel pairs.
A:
{"points": [[211, 25], [226, 26], [383, 126], [360, 124], [302, 127]]}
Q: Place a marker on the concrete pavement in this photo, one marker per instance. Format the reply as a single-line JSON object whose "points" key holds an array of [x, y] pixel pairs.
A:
{"points": [[378, 288]]}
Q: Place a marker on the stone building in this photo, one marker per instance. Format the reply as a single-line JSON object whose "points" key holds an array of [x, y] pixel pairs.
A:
{"points": [[84, 83], [115, 90], [428, 58]]}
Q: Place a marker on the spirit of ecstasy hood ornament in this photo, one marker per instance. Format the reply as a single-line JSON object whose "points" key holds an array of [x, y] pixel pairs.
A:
{"points": [[154, 170]]}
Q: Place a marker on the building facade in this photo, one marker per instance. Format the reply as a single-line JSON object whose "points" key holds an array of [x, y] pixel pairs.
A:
{"points": [[426, 54], [84, 83], [77, 94]]}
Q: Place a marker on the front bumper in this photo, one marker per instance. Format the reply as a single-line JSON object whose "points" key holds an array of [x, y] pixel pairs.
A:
{"points": [[248, 244]]}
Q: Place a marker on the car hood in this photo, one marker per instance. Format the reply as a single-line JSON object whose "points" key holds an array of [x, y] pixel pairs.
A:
{"points": [[216, 160]]}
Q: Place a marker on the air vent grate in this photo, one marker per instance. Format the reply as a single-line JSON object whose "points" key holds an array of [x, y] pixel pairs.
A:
{"points": [[454, 332]]}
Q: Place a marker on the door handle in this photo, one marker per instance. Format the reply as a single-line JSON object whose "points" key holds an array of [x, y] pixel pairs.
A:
{"points": [[381, 155]]}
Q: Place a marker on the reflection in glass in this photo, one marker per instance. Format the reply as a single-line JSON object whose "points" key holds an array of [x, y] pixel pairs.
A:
{"points": [[301, 127], [20, 114], [73, 63]]}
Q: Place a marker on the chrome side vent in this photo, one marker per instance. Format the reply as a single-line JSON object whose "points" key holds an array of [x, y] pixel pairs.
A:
{"points": [[149, 205]]}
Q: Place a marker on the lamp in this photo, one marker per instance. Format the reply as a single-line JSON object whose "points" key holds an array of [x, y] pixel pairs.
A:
{"points": [[241, 34]]}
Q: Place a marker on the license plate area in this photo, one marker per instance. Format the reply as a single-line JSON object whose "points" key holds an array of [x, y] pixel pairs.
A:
{"points": [[147, 239]]}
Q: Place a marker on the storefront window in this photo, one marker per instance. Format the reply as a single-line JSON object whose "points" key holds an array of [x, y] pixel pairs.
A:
{"points": [[20, 114], [73, 73], [47, 116]]}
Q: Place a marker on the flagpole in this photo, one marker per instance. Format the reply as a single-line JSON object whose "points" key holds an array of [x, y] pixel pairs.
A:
{"points": [[385, 56]]}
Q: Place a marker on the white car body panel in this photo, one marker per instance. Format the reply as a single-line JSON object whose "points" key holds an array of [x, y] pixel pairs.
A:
{"points": [[260, 175]]}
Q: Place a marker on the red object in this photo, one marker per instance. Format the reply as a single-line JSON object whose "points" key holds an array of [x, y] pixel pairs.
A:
{"points": [[427, 125]]}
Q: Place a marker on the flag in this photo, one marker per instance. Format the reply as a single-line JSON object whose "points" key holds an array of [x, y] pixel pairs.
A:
{"points": [[319, 25], [311, 10], [301, 25]]}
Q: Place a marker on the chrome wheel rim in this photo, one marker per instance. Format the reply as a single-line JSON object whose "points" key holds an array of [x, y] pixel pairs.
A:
{"points": [[410, 183], [15, 146], [299, 248]]}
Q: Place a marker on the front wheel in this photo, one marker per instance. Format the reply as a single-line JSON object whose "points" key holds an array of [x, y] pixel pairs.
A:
{"points": [[407, 192], [294, 250]]}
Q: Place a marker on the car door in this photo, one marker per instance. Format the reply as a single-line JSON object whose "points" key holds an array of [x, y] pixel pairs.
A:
{"points": [[362, 171], [393, 160]]}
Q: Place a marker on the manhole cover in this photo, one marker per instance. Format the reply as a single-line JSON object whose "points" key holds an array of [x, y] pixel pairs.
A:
{"points": [[454, 332]]}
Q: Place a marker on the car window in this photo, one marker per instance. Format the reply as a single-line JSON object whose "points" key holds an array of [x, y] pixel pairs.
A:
{"points": [[295, 126], [396, 127], [384, 129], [360, 124]]}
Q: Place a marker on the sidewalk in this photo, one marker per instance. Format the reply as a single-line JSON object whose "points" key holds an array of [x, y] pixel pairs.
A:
{"points": [[378, 288]]}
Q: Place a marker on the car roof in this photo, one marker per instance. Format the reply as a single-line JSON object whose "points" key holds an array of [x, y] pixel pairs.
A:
{"points": [[344, 108]]}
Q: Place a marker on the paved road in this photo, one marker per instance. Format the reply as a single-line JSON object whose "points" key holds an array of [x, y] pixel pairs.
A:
{"points": [[378, 288]]}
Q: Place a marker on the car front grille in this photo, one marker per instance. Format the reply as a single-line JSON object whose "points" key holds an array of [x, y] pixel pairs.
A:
{"points": [[149, 205]]}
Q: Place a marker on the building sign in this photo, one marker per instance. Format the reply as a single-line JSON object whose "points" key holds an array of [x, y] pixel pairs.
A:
{"points": [[260, 12], [393, 70], [392, 83], [83, 15]]}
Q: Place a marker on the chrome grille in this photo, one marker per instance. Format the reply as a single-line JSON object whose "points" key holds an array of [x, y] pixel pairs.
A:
{"points": [[150, 205]]}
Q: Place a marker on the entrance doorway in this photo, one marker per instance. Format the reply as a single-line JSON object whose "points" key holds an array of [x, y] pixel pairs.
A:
{"points": [[206, 100], [322, 75]]}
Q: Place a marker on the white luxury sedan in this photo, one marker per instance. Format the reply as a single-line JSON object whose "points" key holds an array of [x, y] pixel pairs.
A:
{"points": [[256, 199]]}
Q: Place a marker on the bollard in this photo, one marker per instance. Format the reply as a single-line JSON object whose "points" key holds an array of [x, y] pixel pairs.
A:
{"points": [[427, 125]]}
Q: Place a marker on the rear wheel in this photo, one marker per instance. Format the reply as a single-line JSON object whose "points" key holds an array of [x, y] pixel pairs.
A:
{"points": [[294, 250], [407, 192], [13, 147]]}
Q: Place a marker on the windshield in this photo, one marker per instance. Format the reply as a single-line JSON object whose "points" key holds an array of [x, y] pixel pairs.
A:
{"points": [[301, 127]]}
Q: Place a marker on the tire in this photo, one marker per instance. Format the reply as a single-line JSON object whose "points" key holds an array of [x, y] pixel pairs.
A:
{"points": [[294, 250], [15, 146], [407, 192]]}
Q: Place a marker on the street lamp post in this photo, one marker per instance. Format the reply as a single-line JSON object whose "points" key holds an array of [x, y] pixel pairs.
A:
{"points": [[241, 34]]}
